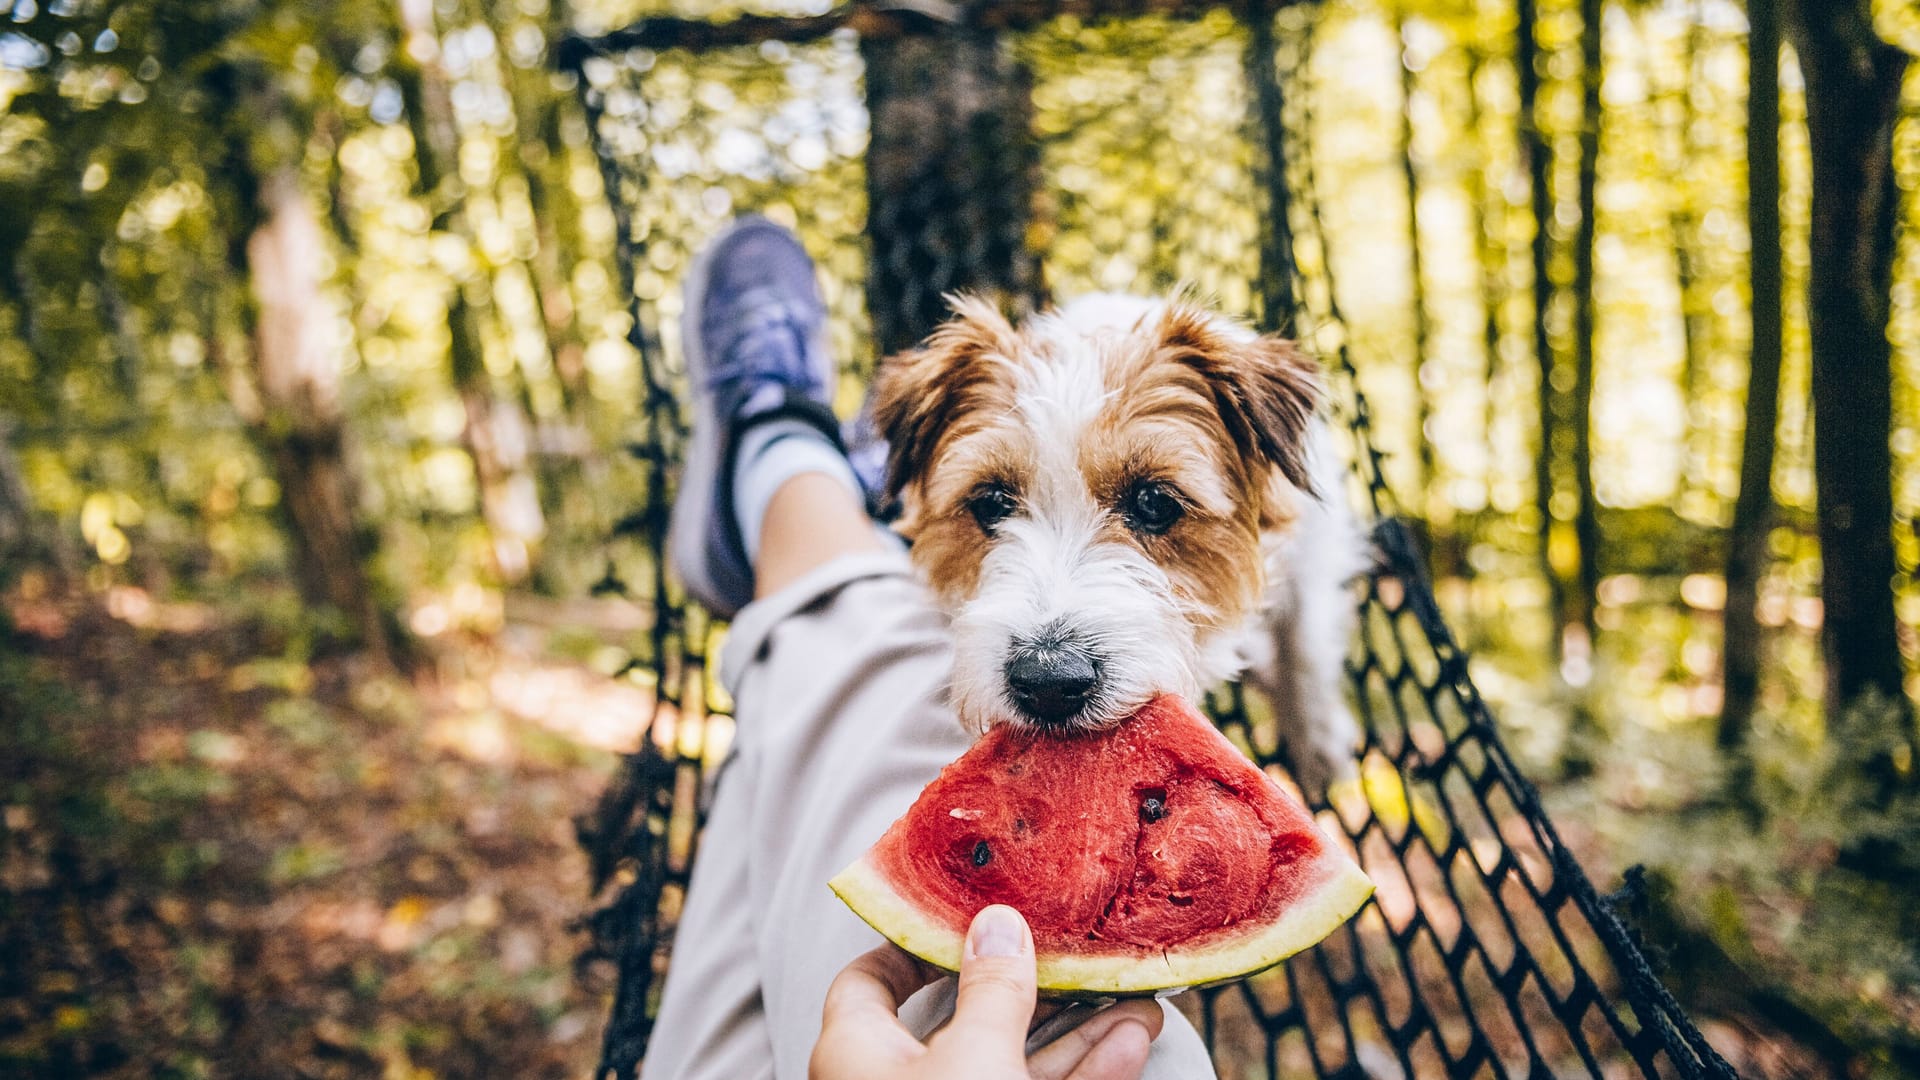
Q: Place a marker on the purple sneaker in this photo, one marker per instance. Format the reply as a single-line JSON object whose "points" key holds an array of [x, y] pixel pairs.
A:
{"points": [[755, 338], [867, 453]]}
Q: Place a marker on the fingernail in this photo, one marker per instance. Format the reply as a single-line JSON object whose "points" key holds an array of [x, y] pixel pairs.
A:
{"points": [[998, 931]]}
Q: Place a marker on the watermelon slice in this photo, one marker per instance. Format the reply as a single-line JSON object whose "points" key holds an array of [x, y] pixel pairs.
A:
{"points": [[1148, 857]]}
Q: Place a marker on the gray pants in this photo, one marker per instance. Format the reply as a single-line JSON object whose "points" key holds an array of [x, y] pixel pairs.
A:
{"points": [[837, 684]]}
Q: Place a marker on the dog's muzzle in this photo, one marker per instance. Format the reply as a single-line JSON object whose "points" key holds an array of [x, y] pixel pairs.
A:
{"points": [[1051, 678]]}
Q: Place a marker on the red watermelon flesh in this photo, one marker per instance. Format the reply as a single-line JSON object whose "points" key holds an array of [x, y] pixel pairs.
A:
{"points": [[1148, 856]]}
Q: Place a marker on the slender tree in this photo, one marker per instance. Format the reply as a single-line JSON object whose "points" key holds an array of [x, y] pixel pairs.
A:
{"points": [[1422, 322], [1682, 219], [1853, 84], [1753, 506], [292, 398], [1539, 158], [1277, 298], [1490, 234], [1586, 515]]}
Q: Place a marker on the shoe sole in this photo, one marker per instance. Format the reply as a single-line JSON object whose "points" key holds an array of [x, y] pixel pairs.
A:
{"points": [[692, 524]]}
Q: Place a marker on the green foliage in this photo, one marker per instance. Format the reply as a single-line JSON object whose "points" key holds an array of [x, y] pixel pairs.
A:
{"points": [[137, 134]]}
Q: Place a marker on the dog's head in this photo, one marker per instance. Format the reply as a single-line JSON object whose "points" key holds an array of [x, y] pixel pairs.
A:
{"points": [[1088, 497]]}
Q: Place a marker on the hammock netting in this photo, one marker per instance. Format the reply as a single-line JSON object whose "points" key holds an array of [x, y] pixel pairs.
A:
{"points": [[1047, 149]]}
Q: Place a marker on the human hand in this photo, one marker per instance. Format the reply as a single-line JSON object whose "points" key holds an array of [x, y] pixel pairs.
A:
{"points": [[861, 1037]]}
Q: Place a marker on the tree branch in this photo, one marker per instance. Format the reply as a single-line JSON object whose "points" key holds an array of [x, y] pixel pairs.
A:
{"points": [[892, 19]]}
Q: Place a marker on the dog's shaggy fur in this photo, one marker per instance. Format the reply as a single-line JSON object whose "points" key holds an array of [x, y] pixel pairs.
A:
{"points": [[1143, 484]]}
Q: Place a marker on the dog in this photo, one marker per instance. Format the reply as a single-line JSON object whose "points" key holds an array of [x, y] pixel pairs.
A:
{"points": [[1126, 497]]}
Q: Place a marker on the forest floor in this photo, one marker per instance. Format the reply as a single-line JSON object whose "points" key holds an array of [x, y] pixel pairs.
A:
{"points": [[218, 858]]}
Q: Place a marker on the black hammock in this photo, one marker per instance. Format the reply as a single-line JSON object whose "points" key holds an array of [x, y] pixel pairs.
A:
{"points": [[929, 145]]}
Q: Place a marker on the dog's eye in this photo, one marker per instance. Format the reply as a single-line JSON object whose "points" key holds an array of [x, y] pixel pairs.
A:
{"points": [[991, 505], [1151, 507]]}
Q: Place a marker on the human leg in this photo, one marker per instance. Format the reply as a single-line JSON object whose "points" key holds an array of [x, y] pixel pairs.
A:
{"points": [[810, 521]]}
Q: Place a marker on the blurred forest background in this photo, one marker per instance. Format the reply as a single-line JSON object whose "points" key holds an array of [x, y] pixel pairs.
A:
{"points": [[318, 400]]}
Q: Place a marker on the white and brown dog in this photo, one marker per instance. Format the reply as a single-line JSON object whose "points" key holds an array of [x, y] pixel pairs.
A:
{"points": [[1126, 497]]}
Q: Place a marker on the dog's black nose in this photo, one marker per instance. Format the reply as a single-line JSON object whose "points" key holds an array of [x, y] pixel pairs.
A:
{"points": [[1051, 681]]}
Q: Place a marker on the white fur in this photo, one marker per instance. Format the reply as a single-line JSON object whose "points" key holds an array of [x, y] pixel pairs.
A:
{"points": [[1047, 568], [1297, 653], [1047, 571]]}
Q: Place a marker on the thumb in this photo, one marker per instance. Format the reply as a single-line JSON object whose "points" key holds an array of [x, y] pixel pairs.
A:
{"points": [[996, 981]]}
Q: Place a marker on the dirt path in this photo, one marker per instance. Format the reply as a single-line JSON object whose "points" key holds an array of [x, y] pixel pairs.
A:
{"points": [[217, 860]]}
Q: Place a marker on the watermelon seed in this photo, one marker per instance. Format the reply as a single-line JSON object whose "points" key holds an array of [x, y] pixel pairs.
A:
{"points": [[1178, 900], [982, 854], [1154, 806]]}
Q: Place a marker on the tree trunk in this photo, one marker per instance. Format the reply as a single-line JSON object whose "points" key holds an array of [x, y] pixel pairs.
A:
{"points": [[1682, 223], [1853, 96], [1489, 212], [950, 178], [1747, 551], [1539, 155], [1277, 298], [544, 162], [1439, 546], [299, 422], [1586, 518], [497, 435]]}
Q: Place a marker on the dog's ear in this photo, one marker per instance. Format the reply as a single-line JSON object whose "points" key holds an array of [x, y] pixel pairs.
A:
{"points": [[1266, 388], [917, 393]]}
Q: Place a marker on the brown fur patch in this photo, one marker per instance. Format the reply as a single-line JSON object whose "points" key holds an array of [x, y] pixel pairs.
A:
{"points": [[947, 542], [940, 403], [1220, 419], [1266, 389], [920, 397], [1166, 426]]}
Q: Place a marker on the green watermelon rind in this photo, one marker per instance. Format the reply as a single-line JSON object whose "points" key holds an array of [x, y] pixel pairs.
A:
{"points": [[1343, 888]]}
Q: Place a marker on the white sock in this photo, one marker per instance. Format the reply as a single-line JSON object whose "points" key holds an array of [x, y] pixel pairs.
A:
{"points": [[769, 455]]}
